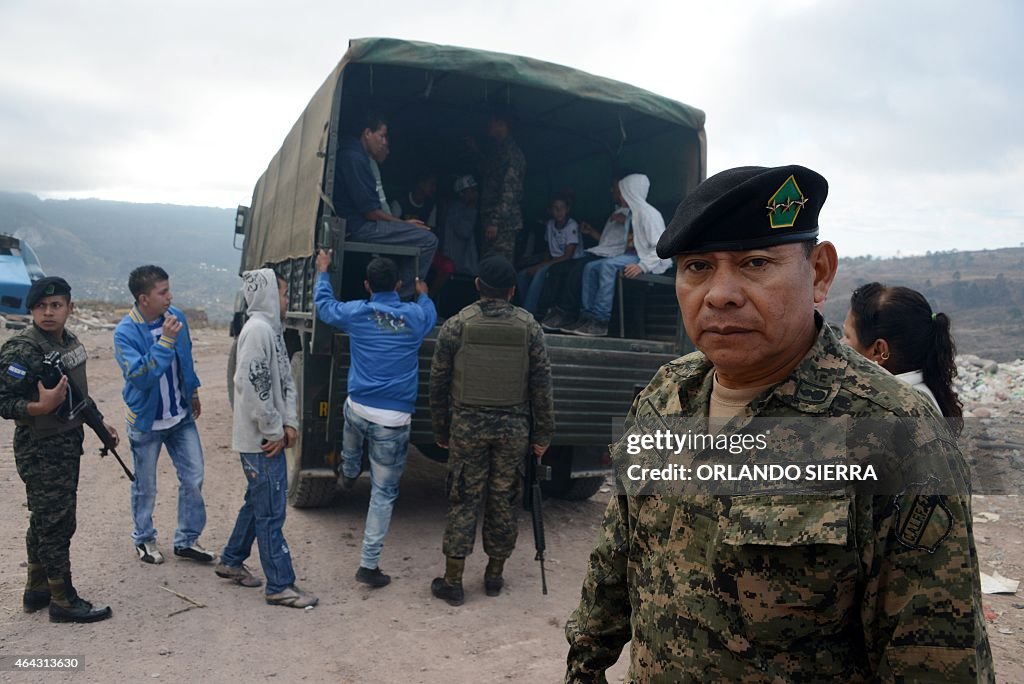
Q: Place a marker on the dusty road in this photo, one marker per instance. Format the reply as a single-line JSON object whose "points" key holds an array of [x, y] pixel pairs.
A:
{"points": [[396, 634]]}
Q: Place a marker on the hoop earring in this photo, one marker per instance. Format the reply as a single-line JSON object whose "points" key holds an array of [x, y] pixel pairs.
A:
{"points": [[885, 356]]}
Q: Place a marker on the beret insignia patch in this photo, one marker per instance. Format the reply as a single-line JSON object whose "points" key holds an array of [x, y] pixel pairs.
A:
{"points": [[785, 205]]}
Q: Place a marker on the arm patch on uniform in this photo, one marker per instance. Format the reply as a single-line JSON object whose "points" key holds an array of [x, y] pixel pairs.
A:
{"points": [[923, 521], [16, 371]]}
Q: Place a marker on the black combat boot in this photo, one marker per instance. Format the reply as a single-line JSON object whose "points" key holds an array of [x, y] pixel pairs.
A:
{"points": [[449, 587], [37, 590], [67, 606], [493, 582]]}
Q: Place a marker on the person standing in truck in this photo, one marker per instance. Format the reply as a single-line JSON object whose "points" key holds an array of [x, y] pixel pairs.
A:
{"points": [[490, 403], [504, 169]]}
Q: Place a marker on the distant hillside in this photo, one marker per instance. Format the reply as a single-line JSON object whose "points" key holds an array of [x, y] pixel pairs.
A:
{"points": [[982, 292], [96, 243]]}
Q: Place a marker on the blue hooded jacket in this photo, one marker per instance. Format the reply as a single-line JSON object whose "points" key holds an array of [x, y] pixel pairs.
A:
{"points": [[143, 360], [385, 337]]}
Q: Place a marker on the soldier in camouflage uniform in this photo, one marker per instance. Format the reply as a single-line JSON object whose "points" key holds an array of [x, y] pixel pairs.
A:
{"points": [[47, 449], [831, 586], [489, 377], [503, 172]]}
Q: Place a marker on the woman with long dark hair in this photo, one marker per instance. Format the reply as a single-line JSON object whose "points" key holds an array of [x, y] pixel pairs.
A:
{"points": [[896, 328]]}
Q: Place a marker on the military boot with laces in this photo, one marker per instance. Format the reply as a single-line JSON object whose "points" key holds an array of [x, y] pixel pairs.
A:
{"points": [[67, 606], [37, 589]]}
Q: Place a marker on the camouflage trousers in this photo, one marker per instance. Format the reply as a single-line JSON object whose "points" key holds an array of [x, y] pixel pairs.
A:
{"points": [[504, 244], [49, 469], [486, 458]]}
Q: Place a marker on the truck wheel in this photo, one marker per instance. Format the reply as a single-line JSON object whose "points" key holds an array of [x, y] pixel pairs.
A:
{"points": [[570, 489], [562, 485], [232, 362], [304, 492], [583, 488]]}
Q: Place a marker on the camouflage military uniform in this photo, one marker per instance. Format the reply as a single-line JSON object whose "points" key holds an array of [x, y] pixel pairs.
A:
{"points": [[487, 446], [500, 196], [786, 588], [47, 449]]}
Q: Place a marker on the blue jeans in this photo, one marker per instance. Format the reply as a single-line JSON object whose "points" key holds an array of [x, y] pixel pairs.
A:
{"points": [[388, 450], [599, 284], [529, 288], [186, 452], [261, 518]]}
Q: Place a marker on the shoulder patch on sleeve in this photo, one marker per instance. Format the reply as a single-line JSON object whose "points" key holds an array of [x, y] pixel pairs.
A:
{"points": [[923, 521], [16, 371]]}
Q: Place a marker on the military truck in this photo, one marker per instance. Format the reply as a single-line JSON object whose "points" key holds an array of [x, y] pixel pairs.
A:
{"points": [[576, 131]]}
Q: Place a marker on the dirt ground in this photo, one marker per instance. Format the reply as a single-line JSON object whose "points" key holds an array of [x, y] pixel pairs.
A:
{"points": [[356, 634]]}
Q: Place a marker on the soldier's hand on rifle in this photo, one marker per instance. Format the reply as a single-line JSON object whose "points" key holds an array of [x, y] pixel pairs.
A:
{"points": [[49, 399], [323, 260], [291, 436], [422, 287], [540, 449], [172, 326], [113, 434]]}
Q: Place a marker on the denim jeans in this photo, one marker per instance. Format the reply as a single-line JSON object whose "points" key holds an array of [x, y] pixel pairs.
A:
{"points": [[261, 518], [388, 449], [599, 284], [529, 288], [186, 452]]}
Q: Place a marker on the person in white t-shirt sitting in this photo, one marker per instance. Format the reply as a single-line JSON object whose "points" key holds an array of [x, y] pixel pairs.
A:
{"points": [[563, 241]]}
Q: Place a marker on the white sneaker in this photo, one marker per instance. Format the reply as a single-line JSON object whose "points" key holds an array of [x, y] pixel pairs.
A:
{"points": [[148, 553]]}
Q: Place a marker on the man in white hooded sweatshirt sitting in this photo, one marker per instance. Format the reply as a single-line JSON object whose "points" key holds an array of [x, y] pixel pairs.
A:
{"points": [[640, 257], [265, 422]]}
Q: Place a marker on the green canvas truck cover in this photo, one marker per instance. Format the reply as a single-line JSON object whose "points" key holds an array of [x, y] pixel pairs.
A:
{"points": [[287, 196]]}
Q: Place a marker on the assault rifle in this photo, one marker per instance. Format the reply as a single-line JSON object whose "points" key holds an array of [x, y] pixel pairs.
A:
{"points": [[78, 403], [535, 473]]}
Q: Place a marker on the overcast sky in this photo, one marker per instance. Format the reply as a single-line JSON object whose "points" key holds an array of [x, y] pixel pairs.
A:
{"points": [[912, 110]]}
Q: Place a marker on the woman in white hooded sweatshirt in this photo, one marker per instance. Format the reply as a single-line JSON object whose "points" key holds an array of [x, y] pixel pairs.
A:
{"points": [[265, 422]]}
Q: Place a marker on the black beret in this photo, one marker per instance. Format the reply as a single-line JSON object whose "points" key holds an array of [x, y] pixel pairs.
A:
{"points": [[46, 287], [497, 272], [747, 208]]}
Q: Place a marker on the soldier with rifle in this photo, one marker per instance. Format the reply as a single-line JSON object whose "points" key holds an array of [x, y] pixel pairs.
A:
{"points": [[489, 378], [48, 445]]}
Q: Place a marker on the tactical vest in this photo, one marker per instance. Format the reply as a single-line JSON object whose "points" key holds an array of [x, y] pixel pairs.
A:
{"points": [[74, 357], [492, 365]]}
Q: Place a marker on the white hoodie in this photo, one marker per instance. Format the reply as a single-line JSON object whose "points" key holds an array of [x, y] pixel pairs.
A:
{"points": [[264, 388], [648, 225]]}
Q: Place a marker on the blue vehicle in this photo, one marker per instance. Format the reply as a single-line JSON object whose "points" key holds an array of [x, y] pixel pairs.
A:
{"points": [[19, 268]]}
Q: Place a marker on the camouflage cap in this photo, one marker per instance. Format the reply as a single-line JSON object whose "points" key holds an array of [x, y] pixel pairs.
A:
{"points": [[748, 207], [47, 287], [497, 272]]}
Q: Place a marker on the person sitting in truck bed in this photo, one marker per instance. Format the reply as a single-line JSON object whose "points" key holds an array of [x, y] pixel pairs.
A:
{"points": [[562, 296], [562, 235], [640, 257], [358, 201]]}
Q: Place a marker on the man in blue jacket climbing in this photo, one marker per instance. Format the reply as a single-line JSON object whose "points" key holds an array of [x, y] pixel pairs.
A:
{"points": [[154, 351], [384, 339]]}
